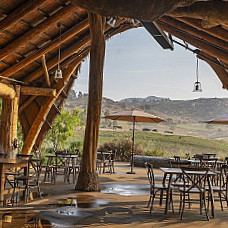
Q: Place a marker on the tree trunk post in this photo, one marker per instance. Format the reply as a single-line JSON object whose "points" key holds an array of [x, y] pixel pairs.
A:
{"points": [[9, 124], [88, 178]]}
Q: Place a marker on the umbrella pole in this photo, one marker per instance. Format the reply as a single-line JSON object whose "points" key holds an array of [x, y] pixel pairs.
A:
{"points": [[133, 148]]}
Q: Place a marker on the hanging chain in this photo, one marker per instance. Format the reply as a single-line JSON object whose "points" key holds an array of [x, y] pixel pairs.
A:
{"points": [[197, 69]]}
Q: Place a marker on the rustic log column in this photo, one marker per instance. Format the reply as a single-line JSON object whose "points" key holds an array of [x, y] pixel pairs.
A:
{"points": [[88, 178], [9, 124]]}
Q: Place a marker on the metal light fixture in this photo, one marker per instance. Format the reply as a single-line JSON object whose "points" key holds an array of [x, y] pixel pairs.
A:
{"points": [[197, 84], [135, 22], [111, 21], [58, 72]]}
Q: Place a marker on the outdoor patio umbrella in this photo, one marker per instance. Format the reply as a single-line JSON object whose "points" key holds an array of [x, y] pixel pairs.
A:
{"points": [[223, 119], [134, 116]]}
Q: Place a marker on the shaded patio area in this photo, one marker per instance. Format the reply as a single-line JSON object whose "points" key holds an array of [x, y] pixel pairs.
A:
{"points": [[122, 202]]}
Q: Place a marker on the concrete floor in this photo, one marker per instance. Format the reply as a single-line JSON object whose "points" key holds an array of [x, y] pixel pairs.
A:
{"points": [[121, 203]]}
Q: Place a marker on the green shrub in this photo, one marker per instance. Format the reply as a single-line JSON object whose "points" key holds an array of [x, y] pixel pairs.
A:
{"points": [[157, 152], [76, 145], [123, 149]]}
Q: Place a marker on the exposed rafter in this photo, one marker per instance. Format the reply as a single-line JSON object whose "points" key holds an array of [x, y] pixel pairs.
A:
{"points": [[26, 37], [19, 13]]}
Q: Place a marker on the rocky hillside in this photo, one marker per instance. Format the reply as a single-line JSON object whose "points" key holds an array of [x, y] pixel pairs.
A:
{"points": [[177, 110]]}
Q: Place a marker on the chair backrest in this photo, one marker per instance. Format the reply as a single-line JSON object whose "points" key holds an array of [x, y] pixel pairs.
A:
{"points": [[195, 178], [223, 177], [209, 162], [113, 155], [179, 164], [150, 173], [36, 166], [197, 156], [176, 158]]}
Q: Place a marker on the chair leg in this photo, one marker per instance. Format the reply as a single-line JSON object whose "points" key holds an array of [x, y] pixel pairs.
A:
{"points": [[220, 199], [149, 200], [152, 204], [201, 202], [180, 206], [171, 197], [183, 207], [206, 211]]}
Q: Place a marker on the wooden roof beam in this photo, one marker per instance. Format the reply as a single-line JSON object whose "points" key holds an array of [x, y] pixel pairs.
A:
{"points": [[65, 54], [195, 32], [216, 31], [36, 91], [26, 37], [199, 43], [19, 13], [46, 75], [143, 10], [212, 14], [70, 51], [48, 47], [220, 71]]}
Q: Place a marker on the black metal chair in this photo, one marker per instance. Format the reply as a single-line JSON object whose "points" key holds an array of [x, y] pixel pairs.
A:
{"points": [[155, 187], [220, 186], [195, 180], [29, 180]]}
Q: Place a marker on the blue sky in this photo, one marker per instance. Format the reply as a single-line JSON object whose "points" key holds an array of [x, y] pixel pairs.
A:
{"points": [[136, 66]]}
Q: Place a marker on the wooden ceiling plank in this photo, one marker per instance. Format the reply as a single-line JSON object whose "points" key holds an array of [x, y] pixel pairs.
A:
{"points": [[19, 13], [48, 47], [28, 36], [46, 74]]}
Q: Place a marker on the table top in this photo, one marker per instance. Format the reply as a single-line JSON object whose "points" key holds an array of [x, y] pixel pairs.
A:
{"points": [[11, 161], [179, 171], [209, 161], [104, 153], [61, 155]]}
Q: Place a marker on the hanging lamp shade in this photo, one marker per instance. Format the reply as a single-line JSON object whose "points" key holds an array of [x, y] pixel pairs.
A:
{"points": [[111, 21], [58, 74], [197, 87]]}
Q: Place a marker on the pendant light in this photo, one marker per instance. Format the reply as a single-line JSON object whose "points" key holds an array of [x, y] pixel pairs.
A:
{"points": [[111, 21], [197, 84], [58, 72]]}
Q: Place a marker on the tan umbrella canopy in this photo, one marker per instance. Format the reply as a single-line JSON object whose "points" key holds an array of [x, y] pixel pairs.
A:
{"points": [[134, 116], [223, 119]]}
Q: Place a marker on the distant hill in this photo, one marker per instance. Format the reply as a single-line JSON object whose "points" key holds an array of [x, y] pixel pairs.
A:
{"points": [[147, 99], [177, 110], [182, 116]]}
